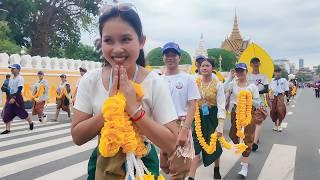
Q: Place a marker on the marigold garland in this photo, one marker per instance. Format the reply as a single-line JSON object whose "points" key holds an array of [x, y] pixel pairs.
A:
{"points": [[243, 117], [211, 147], [119, 133], [39, 93]]}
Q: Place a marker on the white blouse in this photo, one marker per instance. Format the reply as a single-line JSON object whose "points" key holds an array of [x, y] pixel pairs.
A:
{"points": [[157, 101]]}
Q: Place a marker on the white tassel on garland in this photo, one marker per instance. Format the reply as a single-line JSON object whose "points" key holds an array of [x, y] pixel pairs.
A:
{"points": [[135, 165]]}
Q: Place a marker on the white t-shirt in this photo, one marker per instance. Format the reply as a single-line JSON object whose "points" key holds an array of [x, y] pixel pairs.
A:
{"points": [[279, 86], [183, 88], [157, 101], [14, 83], [259, 80], [234, 90]]}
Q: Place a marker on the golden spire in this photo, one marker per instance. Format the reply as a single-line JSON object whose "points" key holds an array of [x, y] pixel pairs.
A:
{"points": [[235, 35]]}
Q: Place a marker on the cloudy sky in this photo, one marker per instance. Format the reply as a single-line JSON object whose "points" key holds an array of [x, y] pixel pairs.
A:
{"points": [[284, 28]]}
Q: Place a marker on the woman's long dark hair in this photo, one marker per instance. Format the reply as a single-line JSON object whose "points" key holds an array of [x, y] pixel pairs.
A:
{"points": [[132, 18]]}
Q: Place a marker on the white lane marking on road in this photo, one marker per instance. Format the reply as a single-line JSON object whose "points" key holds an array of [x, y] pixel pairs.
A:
{"points": [[293, 105], [284, 125], [15, 123], [72, 172], [290, 113], [36, 124], [32, 147], [33, 137], [26, 132], [22, 165], [280, 163], [228, 157]]}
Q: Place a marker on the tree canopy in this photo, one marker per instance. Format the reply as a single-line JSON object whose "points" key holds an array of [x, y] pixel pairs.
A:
{"points": [[47, 25], [154, 57], [6, 45]]}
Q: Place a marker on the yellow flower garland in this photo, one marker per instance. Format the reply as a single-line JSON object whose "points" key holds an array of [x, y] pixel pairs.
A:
{"points": [[119, 132], [243, 116], [39, 93], [211, 147]]}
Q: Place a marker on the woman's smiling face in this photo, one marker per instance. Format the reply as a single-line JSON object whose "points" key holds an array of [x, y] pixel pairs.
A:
{"points": [[120, 43]]}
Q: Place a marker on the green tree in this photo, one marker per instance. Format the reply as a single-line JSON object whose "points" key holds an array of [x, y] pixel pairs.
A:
{"points": [[46, 25], [6, 45], [229, 59], [82, 51], [154, 57]]}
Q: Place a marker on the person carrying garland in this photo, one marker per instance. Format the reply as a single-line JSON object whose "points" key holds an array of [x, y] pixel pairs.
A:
{"points": [[40, 96], [212, 115], [252, 102]]}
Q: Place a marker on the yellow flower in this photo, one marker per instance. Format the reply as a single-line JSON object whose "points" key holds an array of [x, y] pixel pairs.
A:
{"points": [[240, 148], [224, 143], [118, 130], [211, 147]]}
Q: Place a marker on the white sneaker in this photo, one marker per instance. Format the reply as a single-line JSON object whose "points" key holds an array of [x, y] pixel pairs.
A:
{"points": [[280, 129], [244, 170], [275, 128]]}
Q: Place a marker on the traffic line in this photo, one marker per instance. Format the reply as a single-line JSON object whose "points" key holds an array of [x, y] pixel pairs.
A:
{"points": [[15, 124], [280, 163], [293, 105], [290, 113], [227, 159], [72, 172], [32, 147], [284, 125], [35, 130], [35, 161], [36, 124], [33, 137]]}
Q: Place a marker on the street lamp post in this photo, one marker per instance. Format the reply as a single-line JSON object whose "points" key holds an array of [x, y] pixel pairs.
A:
{"points": [[220, 59]]}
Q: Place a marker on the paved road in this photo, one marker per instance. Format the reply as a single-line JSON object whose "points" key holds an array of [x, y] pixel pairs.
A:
{"points": [[48, 151]]}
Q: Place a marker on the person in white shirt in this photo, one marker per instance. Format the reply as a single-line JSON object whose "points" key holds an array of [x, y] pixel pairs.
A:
{"points": [[233, 90], [261, 81], [122, 42], [82, 72], [212, 115], [64, 97], [184, 93], [279, 88], [40, 101], [15, 104]]}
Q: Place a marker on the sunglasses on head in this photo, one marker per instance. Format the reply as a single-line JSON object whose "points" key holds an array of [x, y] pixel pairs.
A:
{"points": [[123, 7]]}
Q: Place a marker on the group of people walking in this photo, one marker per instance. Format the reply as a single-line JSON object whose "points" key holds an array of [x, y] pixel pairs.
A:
{"points": [[15, 104], [183, 115]]}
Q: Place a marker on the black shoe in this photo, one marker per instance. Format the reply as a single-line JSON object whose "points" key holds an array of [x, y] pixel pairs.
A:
{"points": [[190, 178], [217, 174], [254, 147], [5, 132], [31, 126], [40, 120]]}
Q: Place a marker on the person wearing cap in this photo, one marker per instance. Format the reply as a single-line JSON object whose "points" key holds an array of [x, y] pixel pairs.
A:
{"points": [[64, 97], [212, 115], [199, 60], [15, 105], [279, 88], [261, 81], [82, 72], [233, 90], [5, 86], [184, 93], [40, 102]]}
